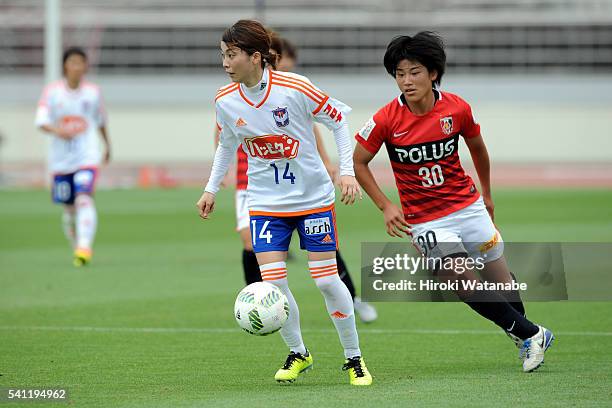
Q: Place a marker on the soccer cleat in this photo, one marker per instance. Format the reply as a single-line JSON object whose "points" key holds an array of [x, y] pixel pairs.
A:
{"points": [[367, 312], [533, 349], [82, 256], [358, 372], [295, 364], [519, 345]]}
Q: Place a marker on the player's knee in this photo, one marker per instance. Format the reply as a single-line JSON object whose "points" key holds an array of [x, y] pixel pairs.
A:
{"points": [[84, 200], [327, 283]]}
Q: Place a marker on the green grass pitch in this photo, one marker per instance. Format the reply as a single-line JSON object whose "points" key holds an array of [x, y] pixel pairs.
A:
{"points": [[150, 324]]}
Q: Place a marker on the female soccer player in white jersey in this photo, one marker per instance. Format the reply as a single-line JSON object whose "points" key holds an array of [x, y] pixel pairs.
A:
{"points": [[72, 112], [271, 114], [442, 209], [286, 60]]}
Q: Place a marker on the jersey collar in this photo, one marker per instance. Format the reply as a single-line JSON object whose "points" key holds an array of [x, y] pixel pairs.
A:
{"points": [[266, 79]]}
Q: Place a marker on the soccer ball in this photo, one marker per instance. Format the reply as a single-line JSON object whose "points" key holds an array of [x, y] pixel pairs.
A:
{"points": [[261, 309]]}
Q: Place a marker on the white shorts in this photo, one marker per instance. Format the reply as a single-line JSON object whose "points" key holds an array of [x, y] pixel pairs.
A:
{"points": [[242, 210], [468, 231]]}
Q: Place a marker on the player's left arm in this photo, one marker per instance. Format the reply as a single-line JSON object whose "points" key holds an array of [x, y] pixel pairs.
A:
{"points": [[329, 166], [480, 158], [101, 118], [107, 144], [332, 113]]}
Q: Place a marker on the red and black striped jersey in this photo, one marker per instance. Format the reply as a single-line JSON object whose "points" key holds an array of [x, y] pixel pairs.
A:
{"points": [[424, 154], [242, 166]]}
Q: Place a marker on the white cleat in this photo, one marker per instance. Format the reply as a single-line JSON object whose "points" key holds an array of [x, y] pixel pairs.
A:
{"points": [[533, 349], [519, 345], [367, 313]]}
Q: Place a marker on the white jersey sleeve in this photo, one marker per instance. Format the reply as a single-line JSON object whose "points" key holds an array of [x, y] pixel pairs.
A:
{"points": [[224, 155], [333, 114]]}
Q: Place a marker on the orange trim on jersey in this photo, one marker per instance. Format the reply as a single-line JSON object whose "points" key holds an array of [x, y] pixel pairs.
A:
{"points": [[314, 112], [297, 81], [219, 128], [265, 96], [294, 213], [227, 92], [299, 88], [226, 87]]}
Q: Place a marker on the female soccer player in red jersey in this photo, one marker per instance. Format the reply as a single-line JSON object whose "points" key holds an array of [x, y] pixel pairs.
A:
{"points": [[442, 211]]}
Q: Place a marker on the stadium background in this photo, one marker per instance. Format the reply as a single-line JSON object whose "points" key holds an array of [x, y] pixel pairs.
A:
{"points": [[144, 325]]}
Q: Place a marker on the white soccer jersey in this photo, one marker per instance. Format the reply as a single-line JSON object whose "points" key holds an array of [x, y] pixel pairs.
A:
{"points": [[81, 109], [274, 122]]}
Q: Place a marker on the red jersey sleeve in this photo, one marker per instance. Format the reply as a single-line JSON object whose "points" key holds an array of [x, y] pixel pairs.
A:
{"points": [[469, 126], [374, 133]]}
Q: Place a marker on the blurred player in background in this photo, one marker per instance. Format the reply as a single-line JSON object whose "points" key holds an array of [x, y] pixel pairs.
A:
{"points": [[72, 112], [442, 210], [272, 114], [286, 61]]}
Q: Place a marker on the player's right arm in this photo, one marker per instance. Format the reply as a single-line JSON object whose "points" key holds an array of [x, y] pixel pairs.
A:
{"points": [[225, 153], [394, 217], [45, 118], [369, 141]]}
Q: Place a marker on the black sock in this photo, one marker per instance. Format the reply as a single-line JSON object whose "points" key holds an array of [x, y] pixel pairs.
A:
{"points": [[493, 306], [344, 274], [250, 267], [514, 298]]}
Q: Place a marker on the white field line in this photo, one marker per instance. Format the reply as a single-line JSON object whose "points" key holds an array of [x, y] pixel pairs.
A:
{"points": [[207, 330]]}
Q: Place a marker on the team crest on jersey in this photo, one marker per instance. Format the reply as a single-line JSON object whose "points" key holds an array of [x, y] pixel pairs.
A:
{"points": [[272, 147], [281, 116], [447, 125]]}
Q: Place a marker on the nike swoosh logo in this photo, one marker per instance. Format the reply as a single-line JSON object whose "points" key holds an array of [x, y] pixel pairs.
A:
{"points": [[511, 327], [400, 134]]}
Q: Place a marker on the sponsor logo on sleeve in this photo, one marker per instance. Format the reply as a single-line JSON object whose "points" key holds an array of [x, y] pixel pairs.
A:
{"points": [[367, 129], [333, 113]]}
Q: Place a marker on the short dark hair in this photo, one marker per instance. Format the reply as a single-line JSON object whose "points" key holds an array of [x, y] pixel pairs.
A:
{"points": [[251, 37], [73, 51], [289, 49], [426, 48]]}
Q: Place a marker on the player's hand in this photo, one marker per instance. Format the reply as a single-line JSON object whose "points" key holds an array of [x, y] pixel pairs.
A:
{"points": [[350, 189], [488, 202], [206, 204], [395, 222]]}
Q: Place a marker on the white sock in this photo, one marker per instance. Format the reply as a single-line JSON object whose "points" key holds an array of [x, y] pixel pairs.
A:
{"points": [[276, 273], [86, 221], [68, 218], [339, 303]]}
